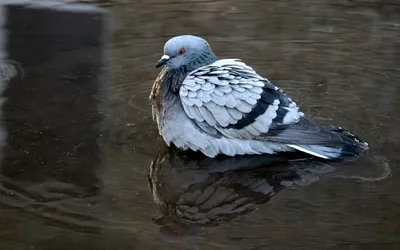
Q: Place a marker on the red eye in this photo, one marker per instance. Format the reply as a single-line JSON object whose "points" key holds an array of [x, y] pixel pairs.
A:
{"points": [[181, 51]]}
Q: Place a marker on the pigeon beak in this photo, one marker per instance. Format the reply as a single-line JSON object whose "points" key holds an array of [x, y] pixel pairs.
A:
{"points": [[162, 61]]}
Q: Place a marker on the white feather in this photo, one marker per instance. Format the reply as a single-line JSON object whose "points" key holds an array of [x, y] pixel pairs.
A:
{"points": [[187, 101], [254, 95], [232, 120], [260, 126], [208, 117], [238, 88], [218, 91], [220, 100], [221, 115], [183, 91], [207, 86], [213, 80], [188, 111], [196, 101], [189, 82], [233, 81], [307, 151], [252, 130], [223, 83], [251, 100], [200, 93], [235, 113], [199, 80], [206, 98], [257, 90], [258, 83], [199, 73], [192, 94], [225, 89], [193, 88], [231, 102], [240, 95], [216, 72], [244, 107], [247, 86], [196, 114]]}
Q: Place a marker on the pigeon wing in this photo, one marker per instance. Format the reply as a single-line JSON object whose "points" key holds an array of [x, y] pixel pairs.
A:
{"points": [[228, 97]]}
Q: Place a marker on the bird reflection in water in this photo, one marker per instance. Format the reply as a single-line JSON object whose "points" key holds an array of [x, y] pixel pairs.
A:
{"points": [[194, 191]]}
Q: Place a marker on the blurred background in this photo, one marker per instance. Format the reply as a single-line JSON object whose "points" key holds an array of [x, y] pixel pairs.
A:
{"points": [[82, 165]]}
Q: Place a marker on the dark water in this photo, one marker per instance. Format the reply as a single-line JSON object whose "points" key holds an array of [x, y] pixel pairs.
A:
{"points": [[83, 167]]}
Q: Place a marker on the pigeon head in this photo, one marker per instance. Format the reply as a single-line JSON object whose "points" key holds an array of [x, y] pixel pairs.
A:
{"points": [[186, 52]]}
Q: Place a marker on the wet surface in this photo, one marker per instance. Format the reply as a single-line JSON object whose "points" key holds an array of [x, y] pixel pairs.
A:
{"points": [[83, 167]]}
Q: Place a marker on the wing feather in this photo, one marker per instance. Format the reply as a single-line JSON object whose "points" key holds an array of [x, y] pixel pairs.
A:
{"points": [[232, 99], [244, 107], [235, 113], [208, 117], [196, 114]]}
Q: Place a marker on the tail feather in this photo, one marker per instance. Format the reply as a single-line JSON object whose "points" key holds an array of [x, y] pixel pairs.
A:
{"points": [[350, 149]]}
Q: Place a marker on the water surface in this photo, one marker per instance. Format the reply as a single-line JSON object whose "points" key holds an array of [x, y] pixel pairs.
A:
{"points": [[83, 166]]}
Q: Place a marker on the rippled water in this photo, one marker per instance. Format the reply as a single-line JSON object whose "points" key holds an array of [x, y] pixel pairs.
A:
{"points": [[83, 167]]}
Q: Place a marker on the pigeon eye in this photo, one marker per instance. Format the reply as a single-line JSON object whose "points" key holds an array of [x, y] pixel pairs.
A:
{"points": [[181, 51]]}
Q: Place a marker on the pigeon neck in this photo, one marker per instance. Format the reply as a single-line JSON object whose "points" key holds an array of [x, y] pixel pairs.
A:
{"points": [[170, 80], [168, 83], [200, 61]]}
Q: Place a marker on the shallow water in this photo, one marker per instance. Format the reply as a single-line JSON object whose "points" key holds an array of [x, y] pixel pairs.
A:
{"points": [[83, 167]]}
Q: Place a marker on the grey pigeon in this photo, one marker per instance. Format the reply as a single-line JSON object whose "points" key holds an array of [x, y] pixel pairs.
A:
{"points": [[222, 106]]}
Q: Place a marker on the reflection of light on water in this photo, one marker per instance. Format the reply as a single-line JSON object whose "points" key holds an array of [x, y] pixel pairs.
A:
{"points": [[10, 69], [381, 161], [3, 76], [49, 195], [60, 5]]}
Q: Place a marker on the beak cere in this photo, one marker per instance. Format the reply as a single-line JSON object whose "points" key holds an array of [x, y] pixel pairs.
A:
{"points": [[162, 61]]}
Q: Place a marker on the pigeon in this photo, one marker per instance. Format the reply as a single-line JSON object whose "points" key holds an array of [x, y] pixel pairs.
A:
{"points": [[224, 107]]}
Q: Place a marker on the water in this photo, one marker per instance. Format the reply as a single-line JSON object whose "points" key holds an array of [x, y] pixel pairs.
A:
{"points": [[83, 167]]}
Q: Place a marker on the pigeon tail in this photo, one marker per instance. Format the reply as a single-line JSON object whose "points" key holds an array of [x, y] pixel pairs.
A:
{"points": [[350, 149]]}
